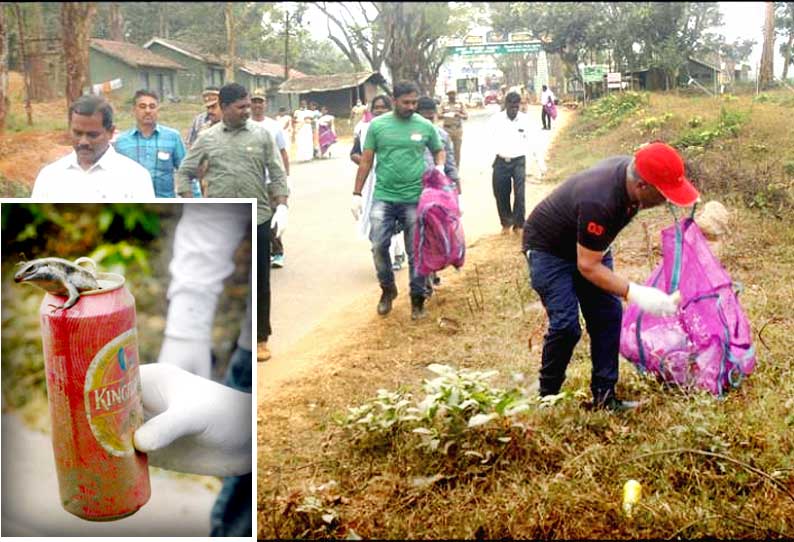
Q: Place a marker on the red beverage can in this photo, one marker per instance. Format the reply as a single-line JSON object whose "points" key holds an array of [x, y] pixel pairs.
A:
{"points": [[94, 393]]}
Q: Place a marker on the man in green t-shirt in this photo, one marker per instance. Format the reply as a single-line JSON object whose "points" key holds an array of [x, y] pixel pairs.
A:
{"points": [[399, 140]]}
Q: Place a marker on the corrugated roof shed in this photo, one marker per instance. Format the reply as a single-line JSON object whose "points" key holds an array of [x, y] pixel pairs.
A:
{"points": [[134, 55]]}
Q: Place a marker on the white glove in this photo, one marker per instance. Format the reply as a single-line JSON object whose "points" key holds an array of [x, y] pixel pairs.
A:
{"points": [[653, 300], [192, 355], [460, 204], [357, 206], [440, 169], [279, 221], [193, 424]]}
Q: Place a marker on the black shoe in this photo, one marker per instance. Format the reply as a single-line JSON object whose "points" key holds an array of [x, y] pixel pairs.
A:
{"points": [[388, 295], [417, 307], [613, 404]]}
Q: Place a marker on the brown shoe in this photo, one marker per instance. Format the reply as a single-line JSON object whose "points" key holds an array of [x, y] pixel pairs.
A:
{"points": [[262, 351]]}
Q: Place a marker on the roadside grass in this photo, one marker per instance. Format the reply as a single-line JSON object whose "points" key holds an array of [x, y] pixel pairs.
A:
{"points": [[709, 467]]}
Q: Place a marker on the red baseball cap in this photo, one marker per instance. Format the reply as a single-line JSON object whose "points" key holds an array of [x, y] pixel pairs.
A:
{"points": [[660, 165]]}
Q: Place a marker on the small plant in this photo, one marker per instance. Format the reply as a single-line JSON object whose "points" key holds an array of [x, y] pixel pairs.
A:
{"points": [[456, 402], [652, 124], [695, 121], [728, 124]]}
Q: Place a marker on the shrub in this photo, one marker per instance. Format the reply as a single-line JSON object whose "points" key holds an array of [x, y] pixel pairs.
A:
{"points": [[456, 402]]}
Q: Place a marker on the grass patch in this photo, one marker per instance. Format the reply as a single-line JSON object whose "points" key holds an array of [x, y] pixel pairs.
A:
{"points": [[709, 468]]}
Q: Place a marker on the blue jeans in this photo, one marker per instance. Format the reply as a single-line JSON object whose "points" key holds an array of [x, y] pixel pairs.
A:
{"points": [[231, 514], [562, 290], [385, 218]]}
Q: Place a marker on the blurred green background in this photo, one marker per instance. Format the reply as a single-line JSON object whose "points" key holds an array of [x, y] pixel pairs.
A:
{"points": [[133, 239]]}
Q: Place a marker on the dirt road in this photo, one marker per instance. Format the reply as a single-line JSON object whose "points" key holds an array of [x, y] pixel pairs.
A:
{"points": [[328, 283]]}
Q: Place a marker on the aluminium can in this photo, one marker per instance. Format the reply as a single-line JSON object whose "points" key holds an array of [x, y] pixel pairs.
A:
{"points": [[94, 395]]}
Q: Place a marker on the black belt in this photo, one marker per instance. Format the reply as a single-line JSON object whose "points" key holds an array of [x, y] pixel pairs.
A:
{"points": [[508, 160]]}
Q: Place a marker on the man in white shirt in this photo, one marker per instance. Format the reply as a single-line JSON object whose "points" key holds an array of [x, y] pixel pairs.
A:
{"points": [[94, 171], [546, 97], [258, 109], [511, 133]]}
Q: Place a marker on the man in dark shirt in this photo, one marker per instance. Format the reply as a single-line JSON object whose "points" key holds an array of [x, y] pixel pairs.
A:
{"points": [[566, 241]]}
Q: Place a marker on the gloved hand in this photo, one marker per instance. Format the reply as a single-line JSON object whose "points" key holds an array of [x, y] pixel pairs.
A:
{"points": [[357, 206], [653, 300], [460, 204], [192, 355], [279, 221], [440, 169], [193, 424]]}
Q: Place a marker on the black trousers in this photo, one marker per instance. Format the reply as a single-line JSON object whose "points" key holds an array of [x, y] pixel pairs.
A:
{"points": [[276, 246], [263, 282], [545, 118], [507, 177]]}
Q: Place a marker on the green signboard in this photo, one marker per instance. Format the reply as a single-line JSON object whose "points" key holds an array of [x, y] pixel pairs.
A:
{"points": [[493, 49], [594, 74]]}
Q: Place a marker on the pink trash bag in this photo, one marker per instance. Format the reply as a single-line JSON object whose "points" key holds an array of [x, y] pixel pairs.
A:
{"points": [[707, 343], [551, 109], [438, 236]]}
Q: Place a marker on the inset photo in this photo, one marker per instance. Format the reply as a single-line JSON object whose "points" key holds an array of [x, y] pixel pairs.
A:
{"points": [[126, 369]]}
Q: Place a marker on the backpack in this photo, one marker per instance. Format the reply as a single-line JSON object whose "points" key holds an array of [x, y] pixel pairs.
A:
{"points": [[707, 343], [438, 236]]}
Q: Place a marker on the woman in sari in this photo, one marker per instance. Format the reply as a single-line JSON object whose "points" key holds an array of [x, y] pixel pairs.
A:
{"points": [[326, 131], [304, 137]]}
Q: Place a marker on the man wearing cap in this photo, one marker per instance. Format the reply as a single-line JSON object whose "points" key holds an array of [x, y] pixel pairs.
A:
{"points": [[239, 155], [453, 114], [258, 117], [567, 240], [208, 118]]}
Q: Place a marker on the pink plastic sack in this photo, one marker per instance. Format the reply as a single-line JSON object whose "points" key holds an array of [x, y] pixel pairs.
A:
{"points": [[438, 236], [708, 342], [551, 109]]}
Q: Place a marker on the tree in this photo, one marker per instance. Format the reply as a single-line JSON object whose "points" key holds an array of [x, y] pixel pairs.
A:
{"points": [[570, 30], [322, 58], [116, 22], [76, 19], [228, 13], [784, 23], [23, 60], [403, 37], [766, 71], [362, 42], [4, 102]]}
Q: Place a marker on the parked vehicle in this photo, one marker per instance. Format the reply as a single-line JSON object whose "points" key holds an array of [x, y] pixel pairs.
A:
{"points": [[475, 100], [492, 97]]}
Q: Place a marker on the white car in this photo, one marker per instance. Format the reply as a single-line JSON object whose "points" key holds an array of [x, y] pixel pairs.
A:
{"points": [[475, 100]]}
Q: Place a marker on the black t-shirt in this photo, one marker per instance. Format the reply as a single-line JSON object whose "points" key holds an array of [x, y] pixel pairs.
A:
{"points": [[589, 208]]}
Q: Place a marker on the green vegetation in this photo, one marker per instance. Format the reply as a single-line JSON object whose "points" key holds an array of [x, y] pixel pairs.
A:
{"points": [[727, 125], [708, 467]]}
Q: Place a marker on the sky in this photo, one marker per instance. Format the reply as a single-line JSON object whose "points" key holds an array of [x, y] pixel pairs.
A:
{"points": [[744, 20]]}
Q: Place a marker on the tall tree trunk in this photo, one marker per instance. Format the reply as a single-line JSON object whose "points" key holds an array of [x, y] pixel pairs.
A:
{"points": [[766, 74], [23, 61], [230, 41], [3, 69], [162, 13], [116, 22], [787, 56], [76, 19], [36, 49]]}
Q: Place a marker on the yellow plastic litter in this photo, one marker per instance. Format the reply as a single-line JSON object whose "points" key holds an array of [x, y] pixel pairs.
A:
{"points": [[631, 496]]}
